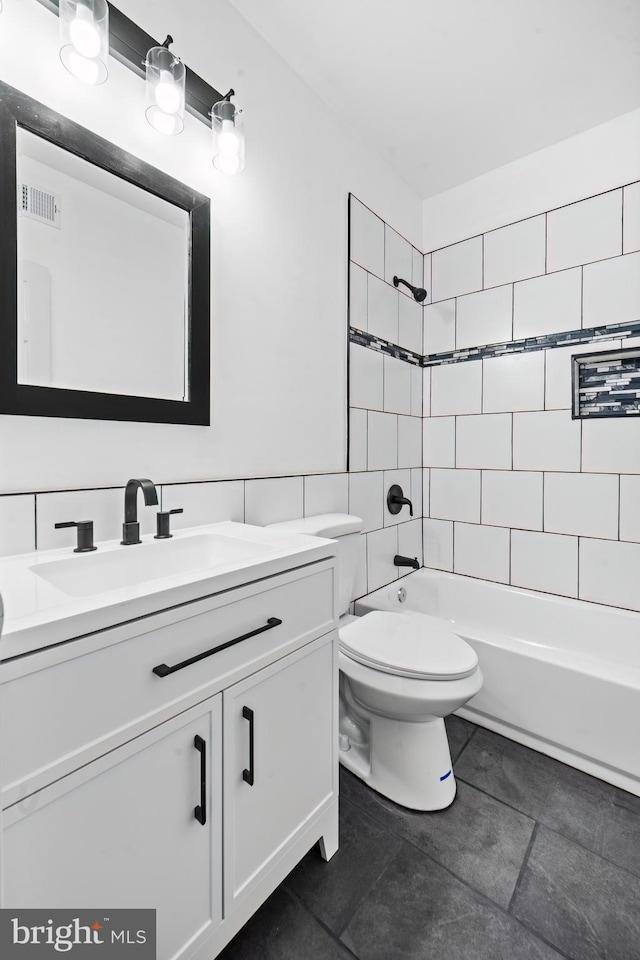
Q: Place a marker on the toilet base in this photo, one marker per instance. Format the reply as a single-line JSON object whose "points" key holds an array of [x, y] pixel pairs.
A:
{"points": [[407, 762]]}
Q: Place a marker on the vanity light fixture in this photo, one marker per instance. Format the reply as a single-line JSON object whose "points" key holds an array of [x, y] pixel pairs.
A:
{"points": [[165, 79], [84, 38], [227, 127], [419, 293]]}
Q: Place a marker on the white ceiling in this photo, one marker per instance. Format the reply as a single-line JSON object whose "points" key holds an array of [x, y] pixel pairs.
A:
{"points": [[448, 89]]}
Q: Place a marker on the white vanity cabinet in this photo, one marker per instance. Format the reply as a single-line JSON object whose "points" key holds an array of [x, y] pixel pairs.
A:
{"points": [[106, 764], [123, 832]]}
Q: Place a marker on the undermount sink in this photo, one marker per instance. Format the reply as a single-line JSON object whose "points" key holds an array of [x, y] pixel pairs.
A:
{"points": [[95, 573]]}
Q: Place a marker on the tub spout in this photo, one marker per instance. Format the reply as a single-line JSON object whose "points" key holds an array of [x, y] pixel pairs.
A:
{"points": [[406, 562]]}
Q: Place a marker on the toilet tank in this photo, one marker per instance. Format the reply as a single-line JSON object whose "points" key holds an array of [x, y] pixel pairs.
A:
{"points": [[343, 527]]}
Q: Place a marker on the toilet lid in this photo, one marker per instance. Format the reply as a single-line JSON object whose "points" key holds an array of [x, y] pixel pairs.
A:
{"points": [[408, 645]]}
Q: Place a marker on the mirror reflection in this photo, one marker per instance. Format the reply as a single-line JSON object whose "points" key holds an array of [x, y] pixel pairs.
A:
{"points": [[103, 279]]}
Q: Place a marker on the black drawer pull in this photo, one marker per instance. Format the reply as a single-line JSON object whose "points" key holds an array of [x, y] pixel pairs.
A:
{"points": [[162, 670], [200, 812], [247, 775]]}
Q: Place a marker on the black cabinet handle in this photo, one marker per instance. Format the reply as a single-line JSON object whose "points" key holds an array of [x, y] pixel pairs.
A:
{"points": [[247, 775], [200, 812], [162, 670]]}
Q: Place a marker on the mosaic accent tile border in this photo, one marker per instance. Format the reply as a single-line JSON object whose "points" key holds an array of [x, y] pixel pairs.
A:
{"points": [[613, 331], [383, 346], [606, 384]]}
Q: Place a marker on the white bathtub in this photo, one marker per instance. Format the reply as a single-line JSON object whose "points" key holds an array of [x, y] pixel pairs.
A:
{"points": [[561, 676]]}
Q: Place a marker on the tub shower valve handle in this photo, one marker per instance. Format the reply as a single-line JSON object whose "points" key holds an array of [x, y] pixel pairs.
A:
{"points": [[396, 500], [163, 521], [85, 534]]}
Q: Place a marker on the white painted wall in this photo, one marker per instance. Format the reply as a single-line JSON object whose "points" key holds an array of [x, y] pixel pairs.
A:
{"points": [[279, 234], [599, 159]]}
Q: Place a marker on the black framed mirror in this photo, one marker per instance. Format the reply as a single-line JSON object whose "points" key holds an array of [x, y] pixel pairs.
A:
{"points": [[104, 277]]}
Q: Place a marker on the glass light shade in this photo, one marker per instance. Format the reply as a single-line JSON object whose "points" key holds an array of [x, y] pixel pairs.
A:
{"points": [[165, 91], [227, 127], [84, 38]]}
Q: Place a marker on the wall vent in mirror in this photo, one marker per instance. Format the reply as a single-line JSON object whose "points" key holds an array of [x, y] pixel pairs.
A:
{"points": [[39, 204], [606, 384]]}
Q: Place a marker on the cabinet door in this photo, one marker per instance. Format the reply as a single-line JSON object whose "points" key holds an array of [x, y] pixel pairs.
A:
{"points": [[122, 832], [278, 768]]}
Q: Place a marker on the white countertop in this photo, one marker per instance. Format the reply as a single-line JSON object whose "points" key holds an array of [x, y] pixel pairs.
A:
{"points": [[38, 614]]}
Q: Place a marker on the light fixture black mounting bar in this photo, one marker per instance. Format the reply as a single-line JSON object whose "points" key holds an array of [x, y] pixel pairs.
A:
{"points": [[128, 43]]}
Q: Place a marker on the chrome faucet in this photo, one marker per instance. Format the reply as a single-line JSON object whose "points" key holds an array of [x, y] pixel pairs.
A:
{"points": [[131, 527]]}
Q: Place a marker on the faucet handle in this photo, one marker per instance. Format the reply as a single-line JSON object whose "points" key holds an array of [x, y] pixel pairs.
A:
{"points": [[163, 523], [85, 534]]}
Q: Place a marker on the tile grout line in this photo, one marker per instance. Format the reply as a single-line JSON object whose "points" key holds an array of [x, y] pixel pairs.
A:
{"points": [[523, 865]]}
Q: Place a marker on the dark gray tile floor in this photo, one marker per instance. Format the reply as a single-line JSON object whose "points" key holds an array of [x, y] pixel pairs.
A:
{"points": [[533, 861]]}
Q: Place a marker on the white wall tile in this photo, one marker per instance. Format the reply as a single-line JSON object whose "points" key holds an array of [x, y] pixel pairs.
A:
{"points": [[416, 391], [382, 444], [273, 499], [360, 586], [514, 252], [438, 544], [426, 486], [416, 490], [439, 441], [357, 297], [547, 304], [457, 269], [584, 231], [610, 573], [398, 257], [581, 503], [513, 382], [481, 551], [367, 499], [410, 325], [512, 499], [382, 318], [326, 493], [366, 382], [403, 479], [631, 219], [417, 265], [546, 441], [483, 441], [545, 561], [367, 238], [410, 543], [484, 317], [409, 441], [204, 502], [357, 439], [440, 327], [455, 495], [558, 393], [456, 388], [397, 385], [611, 292], [104, 507], [18, 524], [630, 508], [382, 546], [611, 445], [426, 277], [426, 392]]}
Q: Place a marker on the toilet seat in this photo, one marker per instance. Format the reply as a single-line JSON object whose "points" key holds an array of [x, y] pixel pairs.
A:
{"points": [[407, 645]]}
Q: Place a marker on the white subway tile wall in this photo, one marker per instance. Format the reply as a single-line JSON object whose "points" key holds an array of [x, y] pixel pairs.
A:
{"points": [[514, 252], [631, 218], [523, 493]]}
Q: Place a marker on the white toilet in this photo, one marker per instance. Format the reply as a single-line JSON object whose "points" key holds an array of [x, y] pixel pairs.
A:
{"points": [[400, 674]]}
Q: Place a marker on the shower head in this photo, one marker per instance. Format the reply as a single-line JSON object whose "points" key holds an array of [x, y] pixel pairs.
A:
{"points": [[419, 293]]}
